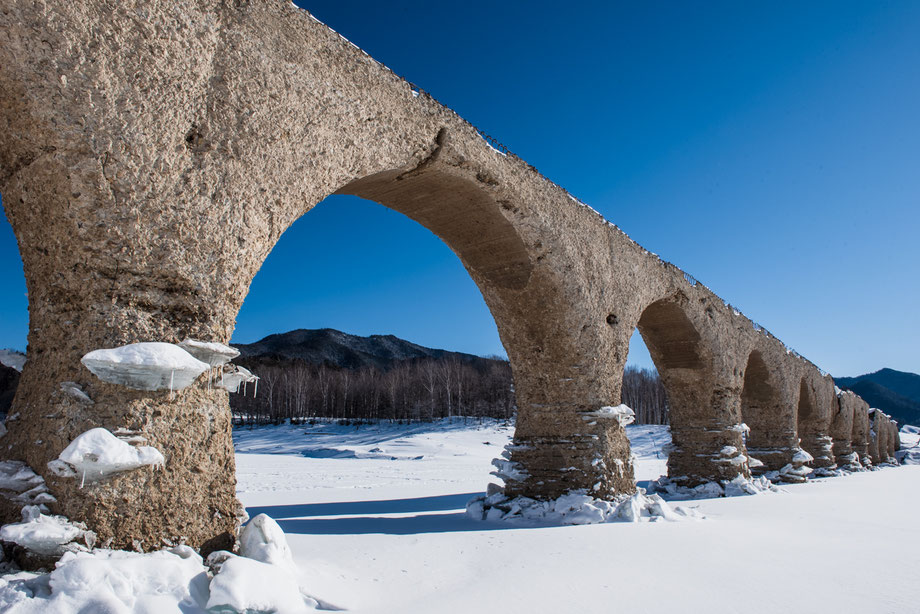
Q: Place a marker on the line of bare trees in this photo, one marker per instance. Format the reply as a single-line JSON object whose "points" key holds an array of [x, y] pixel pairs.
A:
{"points": [[423, 389], [645, 394]]}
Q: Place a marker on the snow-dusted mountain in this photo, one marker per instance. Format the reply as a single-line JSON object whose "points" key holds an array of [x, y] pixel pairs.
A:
{"points": [[897, 393], [335, 348], [12, 359]]}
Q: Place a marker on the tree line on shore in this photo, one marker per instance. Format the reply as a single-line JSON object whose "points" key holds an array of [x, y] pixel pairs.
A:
{"points": [[421, 389]]}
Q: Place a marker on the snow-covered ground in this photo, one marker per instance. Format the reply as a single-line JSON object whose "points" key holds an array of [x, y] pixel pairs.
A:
{"points": [[374, 516]]}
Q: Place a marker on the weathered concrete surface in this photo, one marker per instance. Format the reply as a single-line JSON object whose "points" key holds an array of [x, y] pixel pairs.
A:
{"points": [[861, 438], [883, 433], [771, 382], [842, 425], [152, 153], [817, 405]]}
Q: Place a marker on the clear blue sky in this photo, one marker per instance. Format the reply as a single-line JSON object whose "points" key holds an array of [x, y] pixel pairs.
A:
{"points": [[772, 150]]}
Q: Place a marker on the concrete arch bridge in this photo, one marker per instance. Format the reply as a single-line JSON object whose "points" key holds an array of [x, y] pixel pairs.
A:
{"points": [[152, 153]]}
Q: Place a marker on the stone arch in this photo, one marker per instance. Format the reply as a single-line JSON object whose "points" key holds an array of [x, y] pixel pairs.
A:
{"points": [[556, 446], [766, 411], [145, 215], [703, 403]]}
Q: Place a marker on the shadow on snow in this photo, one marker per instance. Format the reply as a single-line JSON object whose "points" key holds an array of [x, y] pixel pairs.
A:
{"points": [[307, 518]]}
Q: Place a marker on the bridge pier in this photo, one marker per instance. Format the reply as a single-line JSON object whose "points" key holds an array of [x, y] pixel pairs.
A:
{"points": [[94, 285], [704, 391], [768, 406], [816, 405], [895, 439], [861, 436], [842, 429], [883, 434], [557, 450]]}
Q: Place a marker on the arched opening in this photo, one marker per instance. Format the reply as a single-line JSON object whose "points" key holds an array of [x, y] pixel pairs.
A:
{"points": [[676, 349], [672, 340], [389, 327], [642, 388], [459, 212], [14, 314], [762, 412], [643, 391], [418, 375]]}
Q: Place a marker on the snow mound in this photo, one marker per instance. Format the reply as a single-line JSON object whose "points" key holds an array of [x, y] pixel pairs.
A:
{"points": [[13, 359], [211, 352], [673, 490], [97, 453], [263, 540], [45, 535], [576, 507], [172, 580], [245, 585], [146, 366], [113, 581]]}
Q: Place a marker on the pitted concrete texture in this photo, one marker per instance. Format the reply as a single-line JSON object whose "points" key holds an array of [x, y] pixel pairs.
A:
{"points": [[771, 382], [861, 436], [817, 404], [883, 433], [842, 424], [153, 152]]}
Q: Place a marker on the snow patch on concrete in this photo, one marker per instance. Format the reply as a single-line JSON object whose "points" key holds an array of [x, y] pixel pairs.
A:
{"points": [[21, 485], [211, 352], [97, 454], [146, 366], [623, 414], [233, 376], [46, 535]]}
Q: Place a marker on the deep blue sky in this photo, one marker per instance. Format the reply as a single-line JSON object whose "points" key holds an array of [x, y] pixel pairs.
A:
{"points": [[772, 150]]}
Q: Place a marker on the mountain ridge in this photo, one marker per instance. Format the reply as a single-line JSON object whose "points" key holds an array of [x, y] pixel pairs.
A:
{"points": [[896, 393], [343, 350]]}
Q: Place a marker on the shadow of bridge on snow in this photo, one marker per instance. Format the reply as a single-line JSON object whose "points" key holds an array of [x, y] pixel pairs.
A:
{"points": [[362, 521]]}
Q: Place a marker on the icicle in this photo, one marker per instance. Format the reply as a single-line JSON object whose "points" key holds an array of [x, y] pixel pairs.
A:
{"points": [[83, 479], [255, 388], [172, 375]]}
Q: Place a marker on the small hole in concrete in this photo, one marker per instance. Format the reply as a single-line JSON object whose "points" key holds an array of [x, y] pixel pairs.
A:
{"points": [[612, 320]]}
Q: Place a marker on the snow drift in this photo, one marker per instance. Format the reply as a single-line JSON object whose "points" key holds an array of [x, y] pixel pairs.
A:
{"points": [[170, 580]]}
